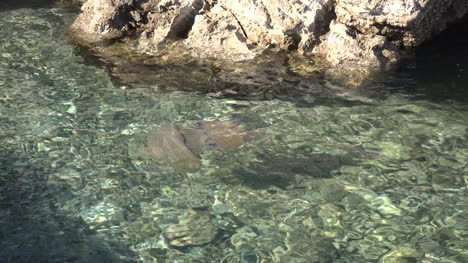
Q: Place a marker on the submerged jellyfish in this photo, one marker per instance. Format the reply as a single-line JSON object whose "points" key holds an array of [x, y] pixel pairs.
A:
{"points": [[182, 148]]}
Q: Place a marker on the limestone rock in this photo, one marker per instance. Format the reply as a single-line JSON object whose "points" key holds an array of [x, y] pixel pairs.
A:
{"points": [[369, 34], [161, 20], [102, 20], [284, 24], [405, 22], [231, 29], [221, 32], [343, 47], [373, 33]]}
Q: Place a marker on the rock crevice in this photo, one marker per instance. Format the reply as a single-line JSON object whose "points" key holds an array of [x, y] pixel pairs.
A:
{"points": [[184, 21], [238, 22]]}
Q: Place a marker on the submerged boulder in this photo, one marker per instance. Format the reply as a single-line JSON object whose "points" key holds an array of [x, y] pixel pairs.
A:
{"points": [[369, 34]]}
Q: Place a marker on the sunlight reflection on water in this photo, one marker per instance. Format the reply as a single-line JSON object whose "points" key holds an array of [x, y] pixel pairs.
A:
{"points": [[381, 178]]}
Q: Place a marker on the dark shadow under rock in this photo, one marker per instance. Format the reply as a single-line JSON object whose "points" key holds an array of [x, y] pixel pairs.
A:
{"points": [[271, 76]]}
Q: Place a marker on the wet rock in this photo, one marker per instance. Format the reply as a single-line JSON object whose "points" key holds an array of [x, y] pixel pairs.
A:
{"points": [[391, 150], [243, 238], [371, 249], [305, 248], [329, 189], [197, 195]]}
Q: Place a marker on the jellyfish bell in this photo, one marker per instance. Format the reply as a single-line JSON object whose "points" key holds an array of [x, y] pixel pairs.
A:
{"points": [[166, 146], [221, 136], [182, 148]]}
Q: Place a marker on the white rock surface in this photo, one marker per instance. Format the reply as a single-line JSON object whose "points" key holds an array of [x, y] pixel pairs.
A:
{"points": [[368, 34]]}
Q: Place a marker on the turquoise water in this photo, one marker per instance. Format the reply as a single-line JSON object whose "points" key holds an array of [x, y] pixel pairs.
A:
{"points": [[332, 174]]}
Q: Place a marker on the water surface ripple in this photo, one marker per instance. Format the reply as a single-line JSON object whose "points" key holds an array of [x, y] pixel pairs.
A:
{"points": [[361, 178]]}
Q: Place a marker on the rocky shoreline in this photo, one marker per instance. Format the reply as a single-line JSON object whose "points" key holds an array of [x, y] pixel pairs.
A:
{"points": [[348, 35]]}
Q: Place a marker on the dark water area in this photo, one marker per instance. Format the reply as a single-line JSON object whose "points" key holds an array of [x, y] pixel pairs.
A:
{"points": [[15, 4], [437, 70], [311, 171]]}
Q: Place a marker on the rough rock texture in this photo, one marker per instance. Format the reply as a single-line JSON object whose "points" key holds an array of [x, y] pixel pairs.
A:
{"points": [[165, 20], [235, 30], [103, 20], [343, 46], [225, 38], [363, 33], [244, 28], [373, 32]]}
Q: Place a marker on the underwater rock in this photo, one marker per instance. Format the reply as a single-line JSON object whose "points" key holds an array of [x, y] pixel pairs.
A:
{"points": [[194, 228], [401, 255], [182, 148], [307, 248]]}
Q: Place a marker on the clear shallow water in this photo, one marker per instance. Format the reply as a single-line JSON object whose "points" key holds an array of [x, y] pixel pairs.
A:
{"points": [[362, 176]]}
